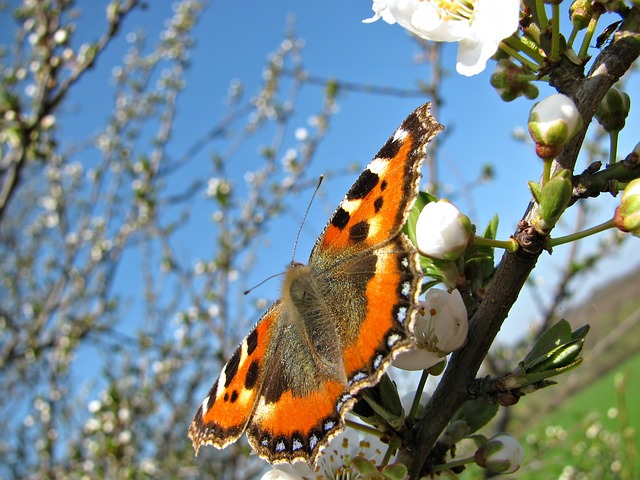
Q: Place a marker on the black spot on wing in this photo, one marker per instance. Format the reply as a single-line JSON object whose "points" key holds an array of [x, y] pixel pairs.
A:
{"points": [[383, 186], [252, 341], [252, 375], [212, 395], [377, 205], [340, 218], [390, 149], [234, 396], [359, 232], [232, 367], [364, 184]]}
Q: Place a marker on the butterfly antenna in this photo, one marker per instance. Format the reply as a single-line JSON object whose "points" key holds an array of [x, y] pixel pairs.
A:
{"points": [[304, 218], [246, 292]]}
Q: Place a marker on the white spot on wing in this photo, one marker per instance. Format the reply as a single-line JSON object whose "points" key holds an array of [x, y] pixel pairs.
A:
{"points": [[393, 339], [344, 399], [280, 447], [399, 135], [377, 361], [357, 377], [402, 314], [328, 425], [297, 445], [406, 289], [350, 206], [205, 403], [221, 383], [378, 166], [313, 441]]}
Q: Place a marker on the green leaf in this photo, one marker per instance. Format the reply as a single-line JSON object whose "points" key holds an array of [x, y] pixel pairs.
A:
{"points": [[476, 414], [385, 402], [479, 260], [536, 191], [395, 471], [556, 335]]}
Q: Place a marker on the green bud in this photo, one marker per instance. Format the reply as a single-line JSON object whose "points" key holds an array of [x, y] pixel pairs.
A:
{"points": [[613, 110], [627, 216], [581, 13], [554, 199], [511, 81]]}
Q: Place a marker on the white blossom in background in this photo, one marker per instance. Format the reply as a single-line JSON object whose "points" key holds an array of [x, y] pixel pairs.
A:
{"points": [[442, 231], [441, 328], [477, 25]]}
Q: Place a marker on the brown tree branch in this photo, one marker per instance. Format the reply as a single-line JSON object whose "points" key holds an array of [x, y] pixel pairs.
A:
{"points": [[515, 268]]}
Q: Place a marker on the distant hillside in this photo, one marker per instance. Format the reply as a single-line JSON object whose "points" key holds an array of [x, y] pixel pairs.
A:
{"points": [[613, 311]]}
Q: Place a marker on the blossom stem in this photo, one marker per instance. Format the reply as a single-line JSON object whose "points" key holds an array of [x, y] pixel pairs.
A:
{"points": [[572, 36], [554, 242], [555, 33], [454, 463], [387, 456], [613, 146], [542, 15], [416, 399], [513, 46], [363, 428], [510, 245], [586, 41], [546, 172]]}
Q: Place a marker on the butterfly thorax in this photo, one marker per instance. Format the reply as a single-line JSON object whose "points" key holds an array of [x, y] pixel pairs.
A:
{"points": [[314, 330]]}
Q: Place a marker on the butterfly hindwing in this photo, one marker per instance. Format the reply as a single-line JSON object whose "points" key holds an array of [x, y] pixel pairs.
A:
{"points": [[227, 408]]}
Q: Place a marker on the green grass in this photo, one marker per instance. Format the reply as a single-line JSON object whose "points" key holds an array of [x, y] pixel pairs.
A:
{"points": [[594, 434]]}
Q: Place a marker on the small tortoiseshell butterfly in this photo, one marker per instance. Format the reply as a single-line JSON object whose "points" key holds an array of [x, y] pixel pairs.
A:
{"points": [[341, 319]]}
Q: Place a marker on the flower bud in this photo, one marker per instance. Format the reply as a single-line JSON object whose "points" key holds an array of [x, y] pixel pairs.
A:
{"points": [[442, 231], [511, 82], [627, 216], [553, 200], [552, 123], [501, 454], [581, 13], [441, 327], [613, 110]]}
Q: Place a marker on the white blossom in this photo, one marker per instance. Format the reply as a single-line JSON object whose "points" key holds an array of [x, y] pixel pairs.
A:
{"points": [[442, 231], [335, 460], [477, 25], [441, 328]]}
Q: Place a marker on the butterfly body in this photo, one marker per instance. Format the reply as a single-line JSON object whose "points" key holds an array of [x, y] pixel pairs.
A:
{"points": [[340, 320]]}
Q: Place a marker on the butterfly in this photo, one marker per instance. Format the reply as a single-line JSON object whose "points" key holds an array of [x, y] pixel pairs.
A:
{"points": [[339, 323]]}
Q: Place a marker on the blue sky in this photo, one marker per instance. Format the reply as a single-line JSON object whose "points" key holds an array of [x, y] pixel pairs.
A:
{"points": [[233, 42]]}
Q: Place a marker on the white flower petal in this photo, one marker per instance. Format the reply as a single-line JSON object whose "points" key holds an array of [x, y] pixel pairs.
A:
{"points": [[416, 359]]}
